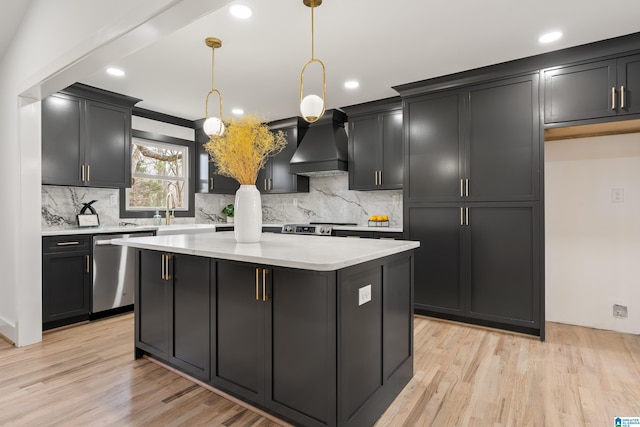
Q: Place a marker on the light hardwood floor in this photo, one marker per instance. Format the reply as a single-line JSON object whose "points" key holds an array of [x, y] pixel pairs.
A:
{"points": [[464, 376]]}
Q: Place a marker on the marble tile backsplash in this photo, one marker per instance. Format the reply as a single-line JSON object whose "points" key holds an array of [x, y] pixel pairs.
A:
{"points": [[329, 199]]}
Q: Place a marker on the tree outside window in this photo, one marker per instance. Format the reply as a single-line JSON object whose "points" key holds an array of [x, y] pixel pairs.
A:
{"points": [[156, 170]]}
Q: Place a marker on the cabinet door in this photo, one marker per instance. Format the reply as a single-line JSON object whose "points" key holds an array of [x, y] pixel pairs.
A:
{"points": [[108, 145], [264, 175], [392, 161], [62, 152], [502, 153], [66, 288], [579, 92], [191, 300], [275, 177], [504, 282], [433, 166], [238, 363], [300, 354], [364, 152], [207, 181], [153, 304], [438, 260], [629, 77]]}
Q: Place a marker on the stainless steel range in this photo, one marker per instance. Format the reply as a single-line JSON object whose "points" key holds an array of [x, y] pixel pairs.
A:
{"points": [[313, 228]]}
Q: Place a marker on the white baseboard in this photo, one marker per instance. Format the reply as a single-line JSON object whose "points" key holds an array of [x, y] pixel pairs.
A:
{"points": [[7, 331]]}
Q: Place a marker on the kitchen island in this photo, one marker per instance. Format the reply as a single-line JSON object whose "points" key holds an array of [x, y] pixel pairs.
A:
{"points": [[315, 330]]}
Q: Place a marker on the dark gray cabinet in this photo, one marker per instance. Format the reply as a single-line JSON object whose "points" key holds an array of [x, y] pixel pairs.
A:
{"points": [[475, 144], [275, 178], [264, 356], [172, 309], [207, 180], [472, 186], [482, 261], [375, 145], [596, 90], [66, 280], [304, 345], [86, 138]]}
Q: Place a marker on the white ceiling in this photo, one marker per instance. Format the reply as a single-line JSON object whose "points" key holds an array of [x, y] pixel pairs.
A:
{"points": [[379, 43]]}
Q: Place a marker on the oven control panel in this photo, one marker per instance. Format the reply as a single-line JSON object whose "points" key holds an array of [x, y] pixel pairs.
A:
{"points": [[317, 230]]}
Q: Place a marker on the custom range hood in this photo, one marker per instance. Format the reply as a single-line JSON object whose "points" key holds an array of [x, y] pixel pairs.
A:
{"points": [[323, 149]]}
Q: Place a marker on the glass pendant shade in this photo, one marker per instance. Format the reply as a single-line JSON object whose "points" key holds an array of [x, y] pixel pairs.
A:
{"points": [[311, 107], [213, 126]]}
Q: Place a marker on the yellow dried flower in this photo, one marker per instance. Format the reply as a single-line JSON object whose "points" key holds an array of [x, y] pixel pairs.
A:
{"points": [[242, 150]]}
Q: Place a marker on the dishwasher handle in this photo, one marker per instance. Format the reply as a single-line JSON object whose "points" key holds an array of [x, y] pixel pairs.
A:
{"points": [[103, 242]]}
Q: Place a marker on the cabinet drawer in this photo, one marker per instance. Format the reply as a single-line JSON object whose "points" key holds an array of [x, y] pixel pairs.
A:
{"points": [[67, 243]]}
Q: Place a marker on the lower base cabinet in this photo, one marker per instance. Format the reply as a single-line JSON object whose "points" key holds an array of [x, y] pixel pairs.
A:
{"points": [[66, 280], [296, 343], [172, 310], [480, 263], [275, 339]]}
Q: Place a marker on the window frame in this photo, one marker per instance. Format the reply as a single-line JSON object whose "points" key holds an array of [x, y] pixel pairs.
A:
{"points": [[190, 179]]}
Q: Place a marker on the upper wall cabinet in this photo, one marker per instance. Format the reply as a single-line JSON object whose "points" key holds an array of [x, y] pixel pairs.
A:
{"points": [[479, 143], [596, 90], [86, 138], [275, 178], [207, 180], [375, 145]]}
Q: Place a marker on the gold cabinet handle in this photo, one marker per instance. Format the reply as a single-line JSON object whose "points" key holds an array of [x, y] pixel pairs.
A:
{"points": [[375, 174], [82, 173], [67, 243], [168, 274], [461, 186], [466, 187], [257, 285], [88, 173], [380, 179], [264, 284], [162, 269], [467, 215], [87, 261], [270, 184], [210, 183], [613, 98], [621, 97], [461, 216]]}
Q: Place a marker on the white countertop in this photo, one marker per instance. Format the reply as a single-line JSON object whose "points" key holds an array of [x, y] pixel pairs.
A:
{"points": [[318, 253], [178, 228]]}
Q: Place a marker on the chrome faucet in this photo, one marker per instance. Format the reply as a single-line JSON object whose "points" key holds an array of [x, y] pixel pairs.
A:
{"points": [[168, 216]]}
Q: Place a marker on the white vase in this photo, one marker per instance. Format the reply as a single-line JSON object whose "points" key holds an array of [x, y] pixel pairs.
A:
{"points": [[248, 215]]}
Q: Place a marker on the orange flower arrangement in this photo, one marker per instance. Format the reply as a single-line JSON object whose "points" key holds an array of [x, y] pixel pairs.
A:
{"points": [[242, 150]]}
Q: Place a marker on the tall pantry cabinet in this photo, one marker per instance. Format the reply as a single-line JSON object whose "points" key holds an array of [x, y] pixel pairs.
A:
{"points": [[472, 198]]}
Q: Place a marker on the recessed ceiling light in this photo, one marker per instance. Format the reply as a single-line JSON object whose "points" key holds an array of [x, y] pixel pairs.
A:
{"points": [[238, 111], [351, 84], [115, 72], [240, 11], [550, 37]]}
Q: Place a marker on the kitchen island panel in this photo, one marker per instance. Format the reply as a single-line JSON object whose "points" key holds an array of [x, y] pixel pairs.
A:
{"points": [[315, 348]]}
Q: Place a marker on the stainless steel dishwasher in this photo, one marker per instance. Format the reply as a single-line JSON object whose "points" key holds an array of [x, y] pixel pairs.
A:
{"points": [[113, 272]]}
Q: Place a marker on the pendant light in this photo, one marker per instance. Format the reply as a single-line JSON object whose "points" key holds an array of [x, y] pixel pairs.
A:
{"points": [[312, 106], [213, 126]]}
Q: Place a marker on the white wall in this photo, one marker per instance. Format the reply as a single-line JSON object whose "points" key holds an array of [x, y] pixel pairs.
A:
{"points": [[57, 44], [592, 242]]}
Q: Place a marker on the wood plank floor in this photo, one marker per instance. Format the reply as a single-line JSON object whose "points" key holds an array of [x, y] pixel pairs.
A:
{"points": [[464, 376]]}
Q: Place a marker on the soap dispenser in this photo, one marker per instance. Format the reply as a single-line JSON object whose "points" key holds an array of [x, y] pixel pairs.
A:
{"points": [[157, 219]]}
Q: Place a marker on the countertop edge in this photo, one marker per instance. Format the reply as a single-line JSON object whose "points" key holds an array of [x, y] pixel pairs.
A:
{"points": [[187, 248]]}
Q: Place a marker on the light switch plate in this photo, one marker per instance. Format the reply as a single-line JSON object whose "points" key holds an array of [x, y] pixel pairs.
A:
{"points": [[364, 295]]}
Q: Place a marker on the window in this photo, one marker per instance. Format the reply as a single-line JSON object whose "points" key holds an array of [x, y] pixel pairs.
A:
{"points": [[160, 165]]}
